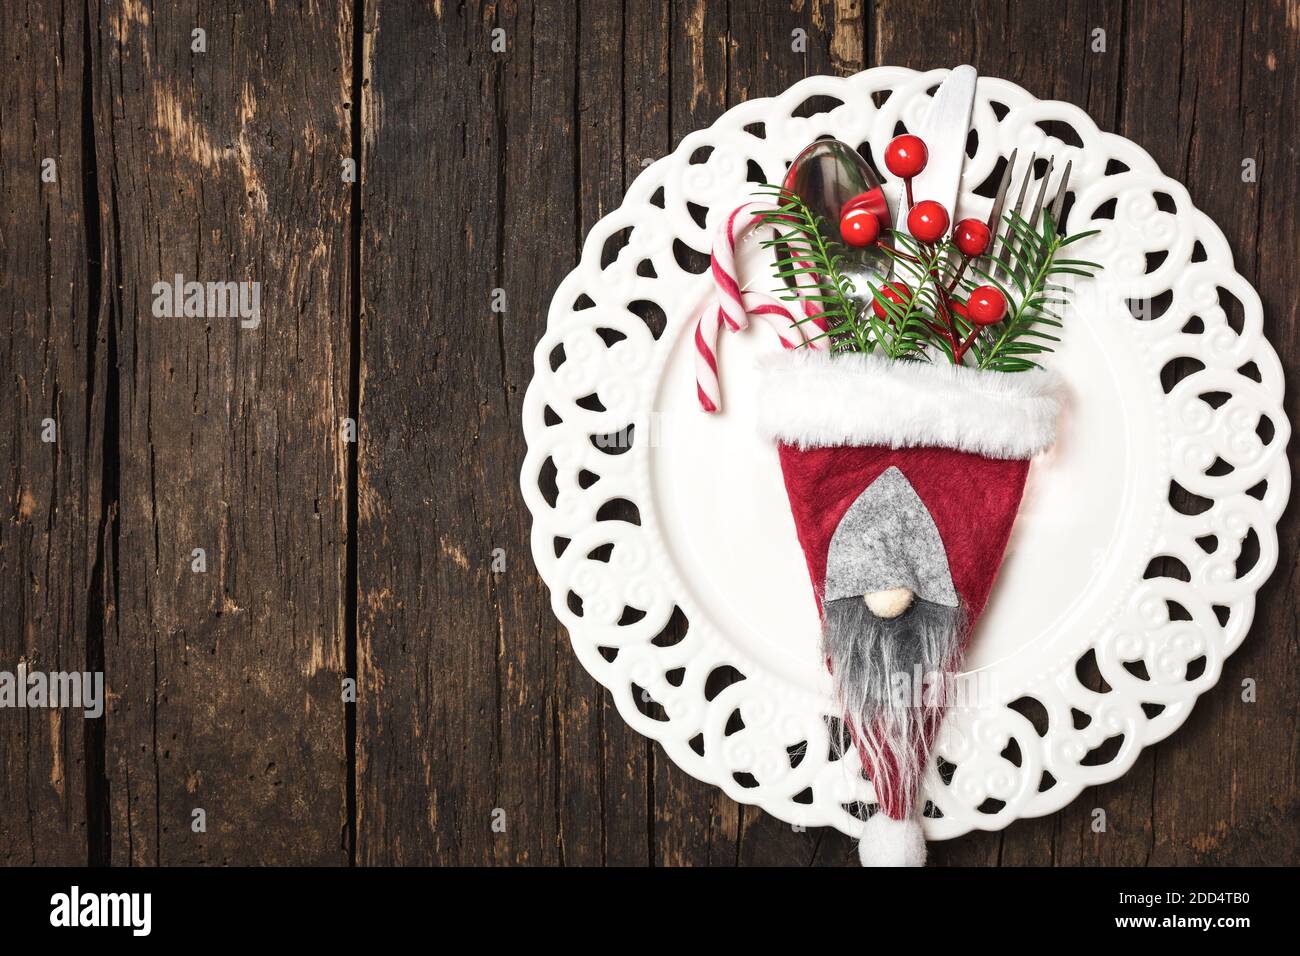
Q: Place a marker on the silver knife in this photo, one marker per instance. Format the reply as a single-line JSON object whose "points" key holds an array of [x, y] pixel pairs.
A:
{"points": [[944, 131]]}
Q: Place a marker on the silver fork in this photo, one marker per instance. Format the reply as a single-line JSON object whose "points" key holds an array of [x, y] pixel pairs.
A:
{"points": [[1059, 202], [1029, 213]]}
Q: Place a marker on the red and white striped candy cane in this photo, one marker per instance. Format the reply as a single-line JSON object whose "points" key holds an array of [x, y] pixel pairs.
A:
{"points": [[735, 305], [707, 388], [781, 319], [707, 332], [726, 277]]}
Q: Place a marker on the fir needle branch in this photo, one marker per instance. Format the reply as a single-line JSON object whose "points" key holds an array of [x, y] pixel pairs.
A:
{"points": [[808, 266], [1033, 262], [803, 252]]}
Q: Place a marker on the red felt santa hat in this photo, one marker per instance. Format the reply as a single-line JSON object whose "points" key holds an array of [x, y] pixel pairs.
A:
{"points": [[904, 479]]}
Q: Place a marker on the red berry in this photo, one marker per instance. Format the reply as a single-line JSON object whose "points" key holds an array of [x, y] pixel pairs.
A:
{"points": [[971, 237], [928, 221], [895, 292], [986, 305], [906, 155], [859, 228]]}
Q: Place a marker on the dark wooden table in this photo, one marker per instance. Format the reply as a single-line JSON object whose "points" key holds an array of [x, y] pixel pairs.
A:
{"points": [[328, 559]]}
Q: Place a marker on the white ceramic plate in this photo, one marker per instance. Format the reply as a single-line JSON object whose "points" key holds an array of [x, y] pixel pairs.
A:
{"points": [[715, 540]]}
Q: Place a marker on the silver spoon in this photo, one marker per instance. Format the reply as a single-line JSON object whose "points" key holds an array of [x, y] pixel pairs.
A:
{"points": [[826, 176]]}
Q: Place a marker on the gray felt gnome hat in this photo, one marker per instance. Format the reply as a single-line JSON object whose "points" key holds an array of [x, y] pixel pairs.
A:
{"points": [[887, 539]]}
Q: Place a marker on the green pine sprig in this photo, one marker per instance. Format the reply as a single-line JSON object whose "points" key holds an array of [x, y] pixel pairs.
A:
{"points": [[807, 263], [1028, 263], [914, 324], [808, 267], [1028, 273]]}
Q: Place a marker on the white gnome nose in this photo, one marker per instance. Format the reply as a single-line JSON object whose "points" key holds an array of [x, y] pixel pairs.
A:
{"points": [[889, 603]]}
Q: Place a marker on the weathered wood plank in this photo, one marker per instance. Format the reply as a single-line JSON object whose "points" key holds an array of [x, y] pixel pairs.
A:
{"points": [[1231, 64], [224, 166], [458, 727], [1263, 794], [51, 367], [537, 186]]}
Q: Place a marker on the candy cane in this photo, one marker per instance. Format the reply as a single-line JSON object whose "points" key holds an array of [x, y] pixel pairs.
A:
{"points": [[730, 305], [707, 387], [734, 306], [726, 277], [781, 319], [707, 332], [769, 305]]}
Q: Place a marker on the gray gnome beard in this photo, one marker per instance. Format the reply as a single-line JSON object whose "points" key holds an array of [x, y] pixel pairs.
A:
{"points": [[892, 678], [891, 674]]}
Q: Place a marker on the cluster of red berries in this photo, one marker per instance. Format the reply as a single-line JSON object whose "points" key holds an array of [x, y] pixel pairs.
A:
{"points": [[927, 221]]}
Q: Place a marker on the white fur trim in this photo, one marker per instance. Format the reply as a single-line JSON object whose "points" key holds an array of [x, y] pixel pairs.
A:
{"points": [[889, 842], [818, 399]]}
